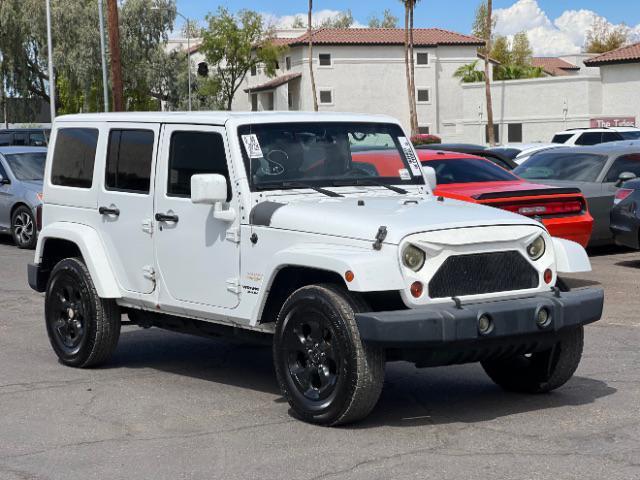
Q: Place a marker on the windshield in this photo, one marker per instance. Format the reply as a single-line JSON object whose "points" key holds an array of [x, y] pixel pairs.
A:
{"points": [[579, 167], [27, 166], [468, 170], [631, 135], [326, 154]]}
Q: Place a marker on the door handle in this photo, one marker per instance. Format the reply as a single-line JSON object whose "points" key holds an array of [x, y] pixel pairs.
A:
{"points": [[164, 217], [109, 211]]}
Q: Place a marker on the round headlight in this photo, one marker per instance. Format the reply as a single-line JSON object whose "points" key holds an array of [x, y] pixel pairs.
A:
{"points": [[536, 249], [413, 258]]}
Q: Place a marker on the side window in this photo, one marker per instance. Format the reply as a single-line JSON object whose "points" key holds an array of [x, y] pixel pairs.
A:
{"points": [[20, 139], [3, 172], [74, 157], [129, 160], [37, 139], [193, 153], [611, 137], [6, 139], [589, 138], [625, 163]]}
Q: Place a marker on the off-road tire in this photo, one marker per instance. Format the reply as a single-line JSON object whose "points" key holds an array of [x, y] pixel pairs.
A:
{"points": [[541, 372], [360, 377], [99, 318], [23, 228]]}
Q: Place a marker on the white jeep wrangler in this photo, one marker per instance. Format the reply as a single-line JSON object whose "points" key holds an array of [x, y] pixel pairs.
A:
{"points": [[317, 232]]}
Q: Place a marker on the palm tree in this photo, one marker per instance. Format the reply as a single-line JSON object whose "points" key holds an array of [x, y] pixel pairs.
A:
{"points": [[469, 73], [312, 76], [487, 79], [409, 7]]}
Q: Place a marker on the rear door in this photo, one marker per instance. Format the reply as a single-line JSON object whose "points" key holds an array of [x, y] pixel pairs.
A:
{"points": [[125, 203], [5, 197]]}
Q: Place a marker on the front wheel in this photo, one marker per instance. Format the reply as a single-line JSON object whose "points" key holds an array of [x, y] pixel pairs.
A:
{"points": [[328, 375], [539, 372], [83, 328], [23, 228]]}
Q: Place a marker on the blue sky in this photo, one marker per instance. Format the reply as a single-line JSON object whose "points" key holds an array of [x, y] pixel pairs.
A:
{"points": [[429, 13], [554, 26]]}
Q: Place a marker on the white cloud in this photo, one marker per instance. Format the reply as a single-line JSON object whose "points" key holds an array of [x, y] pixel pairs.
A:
{"points": [[318, 18], [564, 35]]}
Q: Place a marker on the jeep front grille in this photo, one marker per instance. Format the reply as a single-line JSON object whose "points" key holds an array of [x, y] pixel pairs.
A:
{"points": [[480, 273]]}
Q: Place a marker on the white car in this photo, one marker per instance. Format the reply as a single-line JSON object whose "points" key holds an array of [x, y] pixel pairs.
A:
{"points": [[316, 232], [532, 149], [594, 136]]}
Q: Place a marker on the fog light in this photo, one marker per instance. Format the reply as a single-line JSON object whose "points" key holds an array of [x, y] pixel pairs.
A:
{"points": [[543, 319], [485, 324], [416, 289], [548, 275]]}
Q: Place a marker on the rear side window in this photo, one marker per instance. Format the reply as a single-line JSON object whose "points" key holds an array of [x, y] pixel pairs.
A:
{"points": [[626, 163], [194, 153], [129, 160], [611, 137], [468, 170], [74, 157], [6, 139], [20, 139], [561, 138], [589, 138]]}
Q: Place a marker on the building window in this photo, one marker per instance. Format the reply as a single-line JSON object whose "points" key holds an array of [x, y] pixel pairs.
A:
{"points": [[254, 70], [423, 130], [324, 59], [270, 101], [423, 95], [496, 132], [422, 58], [290, 100], [129, 159], [326, 97], [515, 132], [287, 63], [74, 157], [254, 102], [277, 65]]}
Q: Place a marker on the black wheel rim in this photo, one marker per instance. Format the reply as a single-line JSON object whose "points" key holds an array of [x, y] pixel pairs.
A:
{"points": [[23, 228], [312, 354], [67, 314]]}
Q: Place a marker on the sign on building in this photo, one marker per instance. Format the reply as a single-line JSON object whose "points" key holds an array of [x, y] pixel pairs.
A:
{"points": [[608, 122]]}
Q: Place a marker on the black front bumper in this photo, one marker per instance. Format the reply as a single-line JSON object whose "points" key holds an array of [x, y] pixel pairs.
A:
{"points": [[513, 321]]}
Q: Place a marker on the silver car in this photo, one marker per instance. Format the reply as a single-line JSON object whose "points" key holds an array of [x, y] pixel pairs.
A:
{"points": [[21, 173]]}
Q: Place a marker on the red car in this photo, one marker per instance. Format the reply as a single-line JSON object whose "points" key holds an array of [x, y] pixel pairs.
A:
{"points": [[470, 178]]}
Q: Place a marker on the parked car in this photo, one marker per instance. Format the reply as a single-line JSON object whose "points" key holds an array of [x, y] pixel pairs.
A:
{"points": [[597, 171], [474, 179], [625, 215], [35, 137], [490, 154], [595, 136], [21, 173], [263, 225]]}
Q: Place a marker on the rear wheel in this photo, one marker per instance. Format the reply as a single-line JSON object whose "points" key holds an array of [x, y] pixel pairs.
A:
{"points": [[324, 370], [83, 328], [23, 228], [539, 372]]}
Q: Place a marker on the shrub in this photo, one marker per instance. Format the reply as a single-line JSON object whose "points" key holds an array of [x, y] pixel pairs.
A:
{"points": [[425, 139]]}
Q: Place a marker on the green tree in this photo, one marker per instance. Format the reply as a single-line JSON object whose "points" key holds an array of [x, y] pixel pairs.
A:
{"points": [[481, 27], [603, 37], [469, 73], [521, 52], [389, 20], [501, 50], [298, 22], [234, 44], [341, 20]]}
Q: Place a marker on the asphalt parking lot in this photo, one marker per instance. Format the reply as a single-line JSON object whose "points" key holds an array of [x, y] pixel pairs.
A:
{"points": [[170, 406]]}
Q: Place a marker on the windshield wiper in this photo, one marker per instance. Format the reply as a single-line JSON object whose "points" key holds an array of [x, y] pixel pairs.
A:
{"points": [[369, 181], [328, 193]]}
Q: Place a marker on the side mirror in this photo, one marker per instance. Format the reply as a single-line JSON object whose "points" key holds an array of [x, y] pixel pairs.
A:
{"points": [[3, 181], [211, 189], [430, 175], [625, 177]]}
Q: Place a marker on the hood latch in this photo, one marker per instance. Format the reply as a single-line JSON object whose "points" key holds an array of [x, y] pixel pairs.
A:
{"points": [[380, 236]]}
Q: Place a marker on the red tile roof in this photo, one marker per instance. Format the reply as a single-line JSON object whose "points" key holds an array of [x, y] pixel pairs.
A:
{"points": [[422, 37], [628, 54], [554, 66], [273, 83]]}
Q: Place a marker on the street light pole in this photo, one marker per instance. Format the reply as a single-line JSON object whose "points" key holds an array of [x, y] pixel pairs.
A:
{"points": [[103, 53], [52, 80]]}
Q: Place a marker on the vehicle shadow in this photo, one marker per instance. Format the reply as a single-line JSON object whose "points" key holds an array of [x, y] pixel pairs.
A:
{"points": [[6, 239], [411, 396], [629, 264], [604, 250]]}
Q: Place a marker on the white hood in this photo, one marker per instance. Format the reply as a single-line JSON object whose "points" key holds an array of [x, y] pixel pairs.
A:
{"points": [[360, 217]]}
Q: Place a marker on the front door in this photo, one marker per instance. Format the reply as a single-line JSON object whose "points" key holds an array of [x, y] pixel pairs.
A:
{"points": [[198, 255], [126, 204], [6, 198]]}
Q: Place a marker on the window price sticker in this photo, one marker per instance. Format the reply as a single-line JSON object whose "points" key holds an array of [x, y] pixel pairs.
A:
{"points": [[414, 164], [252, 145]]}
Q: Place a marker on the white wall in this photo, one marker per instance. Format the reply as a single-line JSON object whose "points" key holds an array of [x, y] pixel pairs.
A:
{"points": [[621, 90]]}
